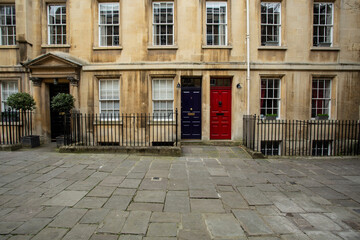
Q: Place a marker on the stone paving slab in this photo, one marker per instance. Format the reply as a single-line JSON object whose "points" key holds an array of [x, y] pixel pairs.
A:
{"points": [[281, 225], [66, 198], [113, 222], [211, 192], [8, 227], [206, 206], [148, 196], [80, 232], [91, 202], [137, 222], [162, 230], [321, 222], [253, 224], [254, 196], [32, 226], [94, 216], [322, 235], [177, 201], [68, 218], [51, 234], [223, 226]]}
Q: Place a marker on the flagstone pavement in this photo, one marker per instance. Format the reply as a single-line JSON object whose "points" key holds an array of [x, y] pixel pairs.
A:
{"points": [[210, 192]]}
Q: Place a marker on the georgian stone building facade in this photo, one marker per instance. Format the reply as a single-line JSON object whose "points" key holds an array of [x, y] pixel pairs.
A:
{"points": [[150, 56]]}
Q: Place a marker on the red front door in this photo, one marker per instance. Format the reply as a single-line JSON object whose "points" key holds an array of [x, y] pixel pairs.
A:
{"points": [[220, 113]]}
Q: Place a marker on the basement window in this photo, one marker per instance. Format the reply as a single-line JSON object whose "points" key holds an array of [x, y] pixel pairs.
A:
{"points": [[321, 147], [271, 148]]}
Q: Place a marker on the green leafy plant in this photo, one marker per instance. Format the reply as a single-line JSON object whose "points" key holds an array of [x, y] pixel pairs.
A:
{"points": [[63, 102], [21, 101], [271, 115], [323, 115]]}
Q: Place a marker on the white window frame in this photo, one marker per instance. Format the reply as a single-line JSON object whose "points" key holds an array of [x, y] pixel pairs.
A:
{"points": [[167, 25], [61, 25], [112, 112], [6, 91], [112, 25], [273, 25], [5, 27], [169, 100], [278, 99], [325, 25], [324, 98], [219, 25]]}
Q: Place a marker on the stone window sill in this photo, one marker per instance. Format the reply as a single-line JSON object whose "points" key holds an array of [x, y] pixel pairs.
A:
{"points": [[276, 48], [107, 48], [335, 49], [174, 47], [9, 47], [56, 46], [216, 47]]}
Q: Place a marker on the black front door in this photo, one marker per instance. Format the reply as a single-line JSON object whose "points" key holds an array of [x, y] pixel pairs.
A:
{"points": [[57, 120], [191, 108]]}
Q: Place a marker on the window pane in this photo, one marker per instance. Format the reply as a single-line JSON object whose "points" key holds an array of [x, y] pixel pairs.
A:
{"points": [[270, 96], [163, 95], [216, 23], [163, 23], [7, 25], [109, 97], [321, 96], [7, 88], [109, 24], [323, 18], [270, 23]]}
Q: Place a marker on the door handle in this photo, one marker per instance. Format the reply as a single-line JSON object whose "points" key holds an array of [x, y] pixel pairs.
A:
{"points": [[220, 103]]}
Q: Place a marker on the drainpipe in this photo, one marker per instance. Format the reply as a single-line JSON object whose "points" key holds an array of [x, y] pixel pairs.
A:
{"points": [[248, 55]]}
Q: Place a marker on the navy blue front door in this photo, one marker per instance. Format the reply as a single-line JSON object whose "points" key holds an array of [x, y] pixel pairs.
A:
{"points": [[190, 113]]}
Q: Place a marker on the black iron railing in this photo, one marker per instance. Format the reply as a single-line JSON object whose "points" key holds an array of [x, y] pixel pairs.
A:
{"points": [[302, 137], [14, 125], [128, 130]]}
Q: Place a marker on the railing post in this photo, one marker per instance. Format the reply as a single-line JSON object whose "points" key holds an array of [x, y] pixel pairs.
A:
{"points": [[176, 112]]}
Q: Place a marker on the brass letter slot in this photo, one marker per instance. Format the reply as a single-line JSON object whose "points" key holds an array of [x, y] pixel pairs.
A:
{"points": [[220, 114], [191, 114]]}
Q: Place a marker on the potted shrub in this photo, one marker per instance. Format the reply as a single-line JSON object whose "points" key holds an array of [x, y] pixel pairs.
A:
{"points": [[322, 117], [24, 102], [63, 103], [271, 116]]}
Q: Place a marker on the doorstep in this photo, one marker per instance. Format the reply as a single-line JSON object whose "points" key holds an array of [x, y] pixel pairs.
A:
{"points": [[210, 142]]}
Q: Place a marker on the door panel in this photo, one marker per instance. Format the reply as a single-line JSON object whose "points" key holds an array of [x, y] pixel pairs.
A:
{"points": [[191, 113], [220, 113]]}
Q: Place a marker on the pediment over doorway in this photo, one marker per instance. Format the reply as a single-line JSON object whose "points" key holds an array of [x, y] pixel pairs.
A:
{"points": [[55, 64]]}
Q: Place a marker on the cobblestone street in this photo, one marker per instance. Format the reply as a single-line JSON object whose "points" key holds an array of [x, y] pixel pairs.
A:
{"points": [[209, 193]]}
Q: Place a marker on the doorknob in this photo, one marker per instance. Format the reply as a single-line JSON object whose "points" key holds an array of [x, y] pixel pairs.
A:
{"points": [[220, 103]]}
